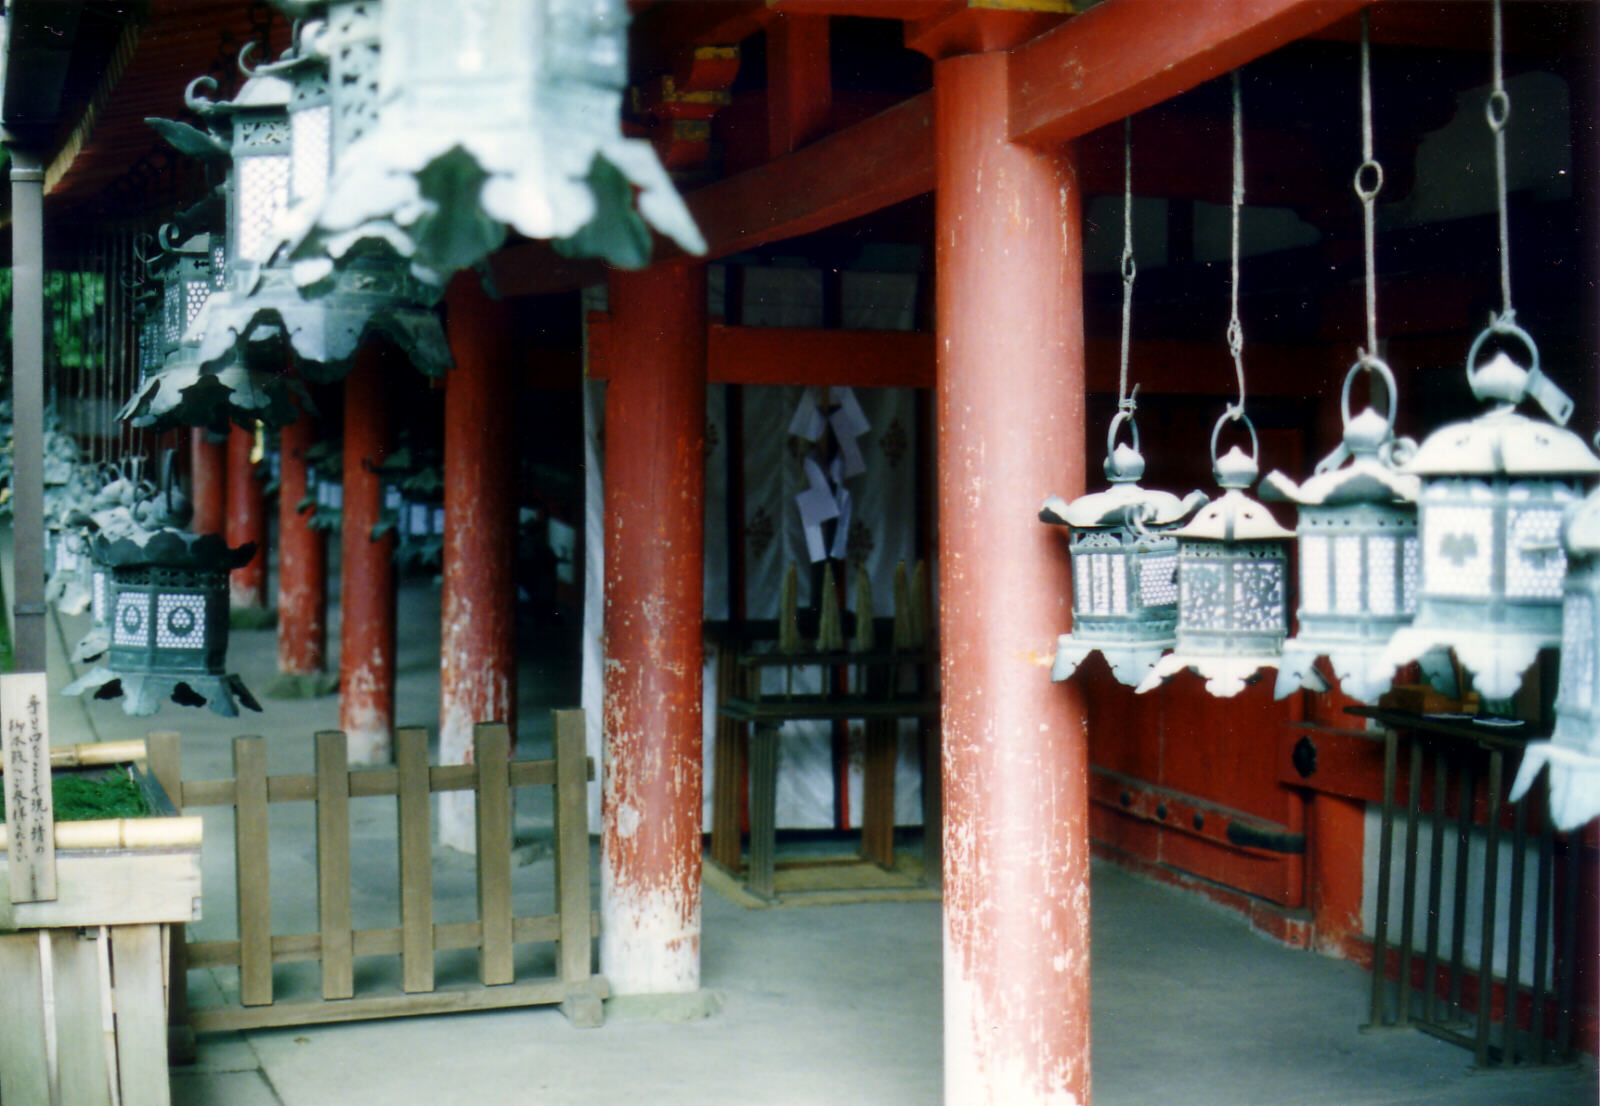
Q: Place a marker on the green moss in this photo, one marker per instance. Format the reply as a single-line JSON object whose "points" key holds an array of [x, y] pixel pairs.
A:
{"points": [[82, 798]]}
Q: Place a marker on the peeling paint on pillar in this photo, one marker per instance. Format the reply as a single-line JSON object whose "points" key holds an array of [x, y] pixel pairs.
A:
{"points": [[247, 521], [477, 663], [654, 565], [1010, 417], [208, 482], [302, 563], [366, 567]]}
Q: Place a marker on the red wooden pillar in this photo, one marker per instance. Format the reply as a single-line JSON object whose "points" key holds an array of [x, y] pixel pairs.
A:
{"points": [[247, 521], [208, 482], [654, 565], [302, 562], [1010, 395], [366, 567], [478, 669]]}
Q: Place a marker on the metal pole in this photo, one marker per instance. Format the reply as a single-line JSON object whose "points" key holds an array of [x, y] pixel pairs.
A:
{"points": [[27, 360]]}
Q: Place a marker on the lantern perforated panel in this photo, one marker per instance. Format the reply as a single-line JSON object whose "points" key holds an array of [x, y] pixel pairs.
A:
{"points": [[1258, 603], [1158, 581], [195, 294], [1381, 597], [180, 621], [1460, 552], [1535, 561], [263, 194], [97, 602], [1314, 574], [132, 620], [1412, 552], [355, 66], [312, 144], [1578, 653]]}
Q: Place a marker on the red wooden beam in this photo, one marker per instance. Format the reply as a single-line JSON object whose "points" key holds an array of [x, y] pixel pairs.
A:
{"points": [[799, 82], [1126, 55], [867, 167]]}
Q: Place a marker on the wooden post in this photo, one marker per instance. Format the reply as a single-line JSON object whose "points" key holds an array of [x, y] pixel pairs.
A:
{"points": [[366, 567], [208, 482], [1010, 415], [302, 563], [478, 638], [654, 560], [247, 521], [27, 387]]}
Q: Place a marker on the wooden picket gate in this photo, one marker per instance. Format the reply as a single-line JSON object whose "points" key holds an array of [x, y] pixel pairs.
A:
{"points": [[492, 777]]}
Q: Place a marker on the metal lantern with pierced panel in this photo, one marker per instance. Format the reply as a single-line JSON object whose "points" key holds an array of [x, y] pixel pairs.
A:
{"points": [[1233, 565], [1494, 490], [167, 614], [281, 167], [485, 114], [1357, 538], [1573, 751], [1124, 566]]}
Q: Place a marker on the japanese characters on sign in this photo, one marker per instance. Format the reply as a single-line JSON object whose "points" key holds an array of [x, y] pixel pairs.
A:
{"points": [[30, 818]]}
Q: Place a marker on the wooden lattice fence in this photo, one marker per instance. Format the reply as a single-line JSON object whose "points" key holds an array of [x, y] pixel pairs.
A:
{"points": [[336, 943]]}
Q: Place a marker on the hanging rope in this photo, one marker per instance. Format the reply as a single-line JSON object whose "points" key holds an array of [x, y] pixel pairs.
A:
{"points": [[1125, 398], [1497, 111], [1368, 183], [1235, 328]]}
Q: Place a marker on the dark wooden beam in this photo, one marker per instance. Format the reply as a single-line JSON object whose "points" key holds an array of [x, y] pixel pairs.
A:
{"points": [[854, 172], [661, 33], [1126, 55], [799, 82]]}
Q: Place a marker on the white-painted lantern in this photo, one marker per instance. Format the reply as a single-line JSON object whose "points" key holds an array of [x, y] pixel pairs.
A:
{"points": [[1494, 490]]}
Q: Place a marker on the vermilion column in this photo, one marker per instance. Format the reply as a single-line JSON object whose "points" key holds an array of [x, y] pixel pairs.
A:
{"points": [[1010, 395], [478, 674], [302, 562], [654, 561], [247, 521], [366, 567], [208, 482]]}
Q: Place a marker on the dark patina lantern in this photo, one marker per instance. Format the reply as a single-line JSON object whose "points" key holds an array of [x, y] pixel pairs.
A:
{"points": [[1494, 490], [283, 143], [1357, 538], [1124, 566], [1233, 564], [1573, 751], [496, 114], [167, 613]]}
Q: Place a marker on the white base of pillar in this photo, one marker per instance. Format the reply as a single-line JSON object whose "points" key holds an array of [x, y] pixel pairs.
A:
{"points": [[370, 745], [456, 815], [645, 946]]}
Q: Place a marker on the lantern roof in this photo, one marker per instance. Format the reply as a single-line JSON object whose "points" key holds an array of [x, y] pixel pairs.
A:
{"points": [[1361, 470], [1503, 443], [1234, 517], [1122, 504], [171, 548]]}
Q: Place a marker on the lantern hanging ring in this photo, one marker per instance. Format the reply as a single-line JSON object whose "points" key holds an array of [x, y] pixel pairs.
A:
{"points": [[1504, 326], [1235, 414], [1369, 364], [1368, 180], [194, 101], [1123, 415]]}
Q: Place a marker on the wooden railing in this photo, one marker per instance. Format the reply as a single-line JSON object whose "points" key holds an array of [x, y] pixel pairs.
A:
{"points": [[491, 777]]}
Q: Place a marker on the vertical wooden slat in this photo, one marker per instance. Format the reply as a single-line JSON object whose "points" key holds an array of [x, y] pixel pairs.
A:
{"points": [[254, 885], [763, 799], [572, 844], [80, 1049], [164, 757], [333, 864], [1491, 873], [1380, 924], [141, 1017], [491, 750], [1541, 926], [1458, 928], [1509, 1046], [877, 791], [24, 1076], [1408, 904], [1567, 950], [416, 860], [1430, 963], [726, 772]]}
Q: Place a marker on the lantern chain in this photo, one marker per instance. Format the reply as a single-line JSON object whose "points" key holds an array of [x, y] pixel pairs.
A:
{"points": [[1235, 328], [1368, 183], [1498, 111], [1125, 398]]}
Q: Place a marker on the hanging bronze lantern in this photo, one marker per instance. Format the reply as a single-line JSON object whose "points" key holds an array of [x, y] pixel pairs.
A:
{"points": [[168, 618], [1233, 563], [1357, 538], [282, 145], [1573, 751], [1124, 565], [503, 113], [1494, 489]]}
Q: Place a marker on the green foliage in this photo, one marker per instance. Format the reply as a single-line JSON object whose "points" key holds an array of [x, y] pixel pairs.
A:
{"points": [[83, 797]]}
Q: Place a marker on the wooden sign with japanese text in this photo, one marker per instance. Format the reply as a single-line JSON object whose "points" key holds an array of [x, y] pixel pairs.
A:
{"points": [[30, 818]]}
